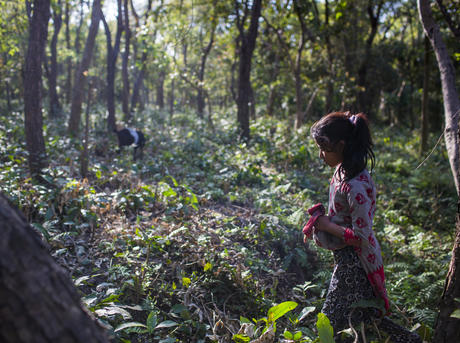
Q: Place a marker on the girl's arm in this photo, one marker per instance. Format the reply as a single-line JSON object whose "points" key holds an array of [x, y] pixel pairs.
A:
{"points": [[360, 197], [325, 224]]}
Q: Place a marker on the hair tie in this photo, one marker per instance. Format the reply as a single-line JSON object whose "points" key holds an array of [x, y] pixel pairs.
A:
{"points": [[353, 119]]}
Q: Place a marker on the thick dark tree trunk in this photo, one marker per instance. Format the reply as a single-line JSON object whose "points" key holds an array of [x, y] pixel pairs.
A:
{"points": [[364, 96], [33, 119], [248, 43], [80, 77], [298, 8], [38, 301], [55, 106], [447, 328], [112, 54]]}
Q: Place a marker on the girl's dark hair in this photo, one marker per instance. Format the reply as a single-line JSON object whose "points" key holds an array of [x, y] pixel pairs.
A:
{"points": [[354, 131]]}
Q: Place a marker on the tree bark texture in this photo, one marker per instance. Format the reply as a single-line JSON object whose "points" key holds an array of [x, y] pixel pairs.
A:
{"points": [[38, 302], [447, 328], [55, 106], [80, 77], [33, 119], [248, 43]]}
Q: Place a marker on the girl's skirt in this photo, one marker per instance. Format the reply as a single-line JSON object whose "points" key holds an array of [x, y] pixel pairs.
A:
{"points": [[349, 284]]}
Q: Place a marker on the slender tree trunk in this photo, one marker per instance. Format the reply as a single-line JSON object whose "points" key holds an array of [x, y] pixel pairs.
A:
{"points": [[68, 84], [8, 96], [449, 90], [330, 60], [38, 301], [124, 67], [201, 93], [172, 98], [160, 89], [79, 84], [447, 328], [55, 106], [426, 77], [248, 43], [84, 157], [112, 54], [33, 121]]}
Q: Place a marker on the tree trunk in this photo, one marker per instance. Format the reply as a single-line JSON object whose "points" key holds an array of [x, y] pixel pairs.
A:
{"points": [[55, 106], [172, 98], [79, 83], [298, 64], [330, 64], [38, 301], [364, 96], [160, 89], [201, 93], [68, 84], [112, 54], [426, 77], [84, 157], [124, 67], [248, 43], [447, 328], [33, 119]]}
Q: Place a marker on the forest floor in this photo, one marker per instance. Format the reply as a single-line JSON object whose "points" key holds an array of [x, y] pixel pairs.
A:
{"points": [[202, 236]]}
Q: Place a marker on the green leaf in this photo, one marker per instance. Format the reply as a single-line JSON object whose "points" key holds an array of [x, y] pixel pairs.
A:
{"points": [[244, 320], [456, 314], [186, 282], [297, 335], [241, 338], [305, 312], [129, 325], [325, 330], [207, 266], [288, 335], [280, 310], [166, 324], [152, 320], [113, 310]]}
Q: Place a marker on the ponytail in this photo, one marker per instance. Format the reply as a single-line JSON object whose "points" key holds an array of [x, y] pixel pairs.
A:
{"points": [[354, 131]]}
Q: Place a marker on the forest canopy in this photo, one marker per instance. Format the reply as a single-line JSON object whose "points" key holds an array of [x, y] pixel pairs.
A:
{"points": [[198, 237]]}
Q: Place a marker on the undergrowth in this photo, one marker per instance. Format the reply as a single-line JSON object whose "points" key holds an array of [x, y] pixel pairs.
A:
{"points": [[200, 239]]}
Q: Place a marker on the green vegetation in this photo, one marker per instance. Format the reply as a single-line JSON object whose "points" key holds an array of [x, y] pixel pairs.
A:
{"points": [[201, 239]]}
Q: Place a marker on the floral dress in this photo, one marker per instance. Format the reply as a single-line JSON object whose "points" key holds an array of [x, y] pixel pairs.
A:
{"points": [[358, 272]]}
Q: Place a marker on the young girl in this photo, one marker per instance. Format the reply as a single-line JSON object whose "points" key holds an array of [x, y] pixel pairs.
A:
{"points": [[345, 143]]}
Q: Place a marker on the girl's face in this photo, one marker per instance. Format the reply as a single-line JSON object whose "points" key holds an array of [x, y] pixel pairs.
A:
{"points": [[332, 158]]}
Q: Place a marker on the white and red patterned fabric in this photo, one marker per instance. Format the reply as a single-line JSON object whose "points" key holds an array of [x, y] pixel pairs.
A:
{"points": [[352, 206]]}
